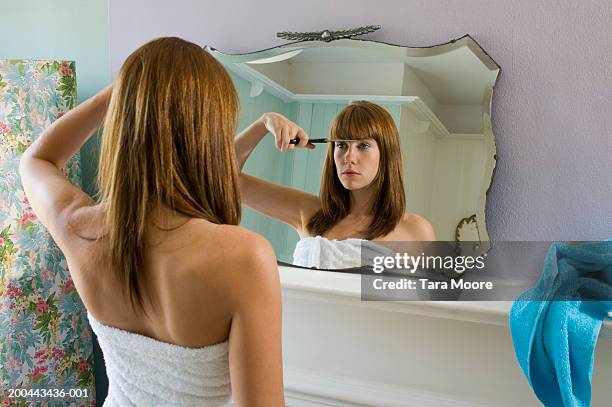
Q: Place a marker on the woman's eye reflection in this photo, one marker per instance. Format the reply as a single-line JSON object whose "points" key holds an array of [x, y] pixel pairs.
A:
{"points": [[344, 144]]}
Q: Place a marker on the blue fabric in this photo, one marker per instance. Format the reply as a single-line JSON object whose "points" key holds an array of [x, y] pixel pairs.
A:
{"points": [[554, 340]]}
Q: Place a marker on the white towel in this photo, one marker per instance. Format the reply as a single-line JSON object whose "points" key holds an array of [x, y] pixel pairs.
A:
{"points": [[323, 253], [143, 371]]}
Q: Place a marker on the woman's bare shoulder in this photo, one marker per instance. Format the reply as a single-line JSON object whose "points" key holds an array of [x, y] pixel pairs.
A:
{"points": [[418, 227], [237, 250], [243, 242], [240, 262]]}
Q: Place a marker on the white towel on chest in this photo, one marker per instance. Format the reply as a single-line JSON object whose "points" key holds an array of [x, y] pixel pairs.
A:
{"points": [[320, 252]]}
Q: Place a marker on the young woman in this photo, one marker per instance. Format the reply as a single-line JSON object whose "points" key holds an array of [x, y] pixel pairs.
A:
{"points": [[186, 304], [362, 189]]}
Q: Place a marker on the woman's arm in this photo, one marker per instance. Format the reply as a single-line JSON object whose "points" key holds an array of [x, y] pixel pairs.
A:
{"points": [[255, 346], [248, 139], [66, 135], [288, 205], [50, 194]]}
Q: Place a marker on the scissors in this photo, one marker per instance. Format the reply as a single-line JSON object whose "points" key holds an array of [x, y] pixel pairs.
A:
{"points": [[316, 140]]}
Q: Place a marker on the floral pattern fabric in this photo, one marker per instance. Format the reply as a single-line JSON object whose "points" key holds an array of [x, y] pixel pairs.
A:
{"points": [[45, 340]]}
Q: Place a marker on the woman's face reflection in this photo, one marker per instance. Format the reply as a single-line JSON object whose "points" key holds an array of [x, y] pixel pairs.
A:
{"points": [[356, 162]]}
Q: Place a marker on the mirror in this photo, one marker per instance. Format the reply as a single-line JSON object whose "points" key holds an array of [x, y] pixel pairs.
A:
{"points": [[439, 98]]}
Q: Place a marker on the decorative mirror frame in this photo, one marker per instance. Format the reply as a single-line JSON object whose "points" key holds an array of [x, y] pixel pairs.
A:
{"points": [[464, 223]]}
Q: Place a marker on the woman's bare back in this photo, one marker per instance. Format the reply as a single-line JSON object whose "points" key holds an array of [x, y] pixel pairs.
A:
{"points": [[207, 283], [186, 277]]}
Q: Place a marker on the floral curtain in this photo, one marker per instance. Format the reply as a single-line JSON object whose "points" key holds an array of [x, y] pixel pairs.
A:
{"points": [[46, 351]]}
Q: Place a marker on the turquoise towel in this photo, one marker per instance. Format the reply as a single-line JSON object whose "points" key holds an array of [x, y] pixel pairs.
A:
{"points": [[554, 340]]}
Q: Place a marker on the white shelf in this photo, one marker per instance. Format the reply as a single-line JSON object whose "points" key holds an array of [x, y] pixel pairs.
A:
{"points": [[329, 286], [259, 82]]}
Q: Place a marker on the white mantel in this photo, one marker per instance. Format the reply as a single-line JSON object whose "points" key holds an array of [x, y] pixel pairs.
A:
{"points": [[341, 351]]}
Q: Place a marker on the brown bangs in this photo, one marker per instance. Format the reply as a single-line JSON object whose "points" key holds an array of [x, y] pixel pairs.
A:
{"points": [[355, 124]]}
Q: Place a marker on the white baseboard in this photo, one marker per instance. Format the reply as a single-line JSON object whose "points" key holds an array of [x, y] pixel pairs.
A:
{"points": [[313, 389]]}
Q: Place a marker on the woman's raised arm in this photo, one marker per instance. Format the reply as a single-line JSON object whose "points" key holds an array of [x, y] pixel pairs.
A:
{"points": [[285, 204]]}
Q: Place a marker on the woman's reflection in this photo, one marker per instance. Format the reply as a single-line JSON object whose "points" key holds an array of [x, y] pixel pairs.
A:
{"points": [[361, 195]]}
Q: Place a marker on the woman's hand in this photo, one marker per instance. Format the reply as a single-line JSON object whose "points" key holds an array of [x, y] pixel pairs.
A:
{"points": [[284, 130]]}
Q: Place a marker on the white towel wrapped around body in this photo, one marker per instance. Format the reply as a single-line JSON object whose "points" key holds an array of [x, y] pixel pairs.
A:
{"points": [[143, 371], [324, 253]]}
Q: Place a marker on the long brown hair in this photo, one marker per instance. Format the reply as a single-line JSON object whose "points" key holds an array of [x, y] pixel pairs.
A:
{"points": [[357, 121], [167, 141]]}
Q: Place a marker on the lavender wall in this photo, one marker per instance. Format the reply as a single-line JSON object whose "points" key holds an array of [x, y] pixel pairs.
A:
{"points": [[551, 107]]}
